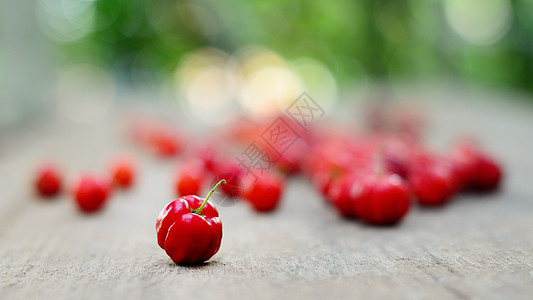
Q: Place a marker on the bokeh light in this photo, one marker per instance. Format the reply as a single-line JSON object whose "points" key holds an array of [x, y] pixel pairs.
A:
{"points": [[205, 86], [318, 81], [215, 86], [479, 21], [268, 53], [66, 20], [270, 84]]}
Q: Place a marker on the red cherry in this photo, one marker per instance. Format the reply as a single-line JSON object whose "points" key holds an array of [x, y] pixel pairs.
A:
{"points": [[487, 175], [380, 199], [289, 162], [324, 173], [189, 230], [397, 156], [396, 165], [48, 181], [232, 172], [243, 130], [123, 172], [208, 154], [432, 184], [190, 178], [165, 143], [340, 196], [482, 172], [264, 191], [460, 173], [91, 193]]}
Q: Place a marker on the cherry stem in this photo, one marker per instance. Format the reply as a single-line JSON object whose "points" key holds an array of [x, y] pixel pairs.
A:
{"points": [[199, 209], [379, 166]]}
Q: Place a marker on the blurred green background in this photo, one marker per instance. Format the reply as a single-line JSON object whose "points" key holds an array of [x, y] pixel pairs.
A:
{"points": [[480, 43], [486, 42]]}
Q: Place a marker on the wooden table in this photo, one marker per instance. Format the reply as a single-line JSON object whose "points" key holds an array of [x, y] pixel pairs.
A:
{"points": [[475, 247]]}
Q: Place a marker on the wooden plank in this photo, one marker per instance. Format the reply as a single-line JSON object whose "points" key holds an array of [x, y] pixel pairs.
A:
{"points": [[476, 247]]}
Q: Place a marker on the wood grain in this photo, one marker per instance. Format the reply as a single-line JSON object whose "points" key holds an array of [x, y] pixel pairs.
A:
{"points": [[476, 247]]}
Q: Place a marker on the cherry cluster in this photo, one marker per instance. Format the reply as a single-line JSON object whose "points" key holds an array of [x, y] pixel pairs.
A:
{"points": [[207, 162], [375, 177], [91, 192]]}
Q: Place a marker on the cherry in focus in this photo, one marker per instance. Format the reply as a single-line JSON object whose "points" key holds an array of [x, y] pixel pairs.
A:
{"points": [[189, 229]]}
